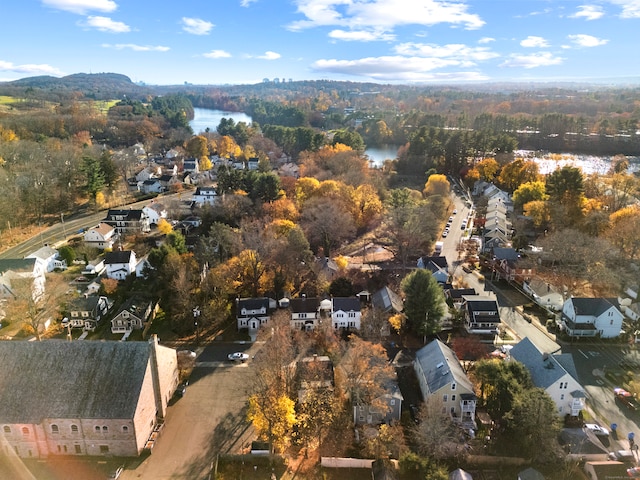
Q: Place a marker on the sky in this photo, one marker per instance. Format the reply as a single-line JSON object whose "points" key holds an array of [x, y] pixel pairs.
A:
{"points": [[219, 42]]}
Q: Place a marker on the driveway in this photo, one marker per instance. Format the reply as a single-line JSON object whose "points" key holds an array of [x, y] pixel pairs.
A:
{"points": [[209, 419]]}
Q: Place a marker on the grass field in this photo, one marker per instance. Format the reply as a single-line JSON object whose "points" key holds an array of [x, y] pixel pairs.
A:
{"points": [[6, 100]]}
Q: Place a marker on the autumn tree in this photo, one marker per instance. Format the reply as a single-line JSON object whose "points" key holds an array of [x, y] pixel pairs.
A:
{"points": [[437, 184], [367, 373], [435, 435], [565, 187], [625, 225], [518, 172], [488, 169], [326, 224], [529, 192], [424, 304], [365, 205], [164, 227], [273, 417]]}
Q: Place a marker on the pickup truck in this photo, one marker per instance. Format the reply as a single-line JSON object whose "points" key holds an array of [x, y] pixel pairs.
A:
{"points": [[626, 398]]}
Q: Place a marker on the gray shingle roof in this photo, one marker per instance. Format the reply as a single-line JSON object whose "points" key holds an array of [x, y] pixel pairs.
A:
{"points": [[117, 256], [545, 369], [61, 379], [441, 367], [386, 299], [17, 264], [346, 304], [593, 306], [304, 305]]}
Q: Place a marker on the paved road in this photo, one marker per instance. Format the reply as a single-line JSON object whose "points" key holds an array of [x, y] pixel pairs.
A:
{"points": [[209, 419]]}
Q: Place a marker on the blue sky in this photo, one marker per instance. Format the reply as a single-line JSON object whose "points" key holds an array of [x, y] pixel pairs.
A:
{"points": [[386, 41]]}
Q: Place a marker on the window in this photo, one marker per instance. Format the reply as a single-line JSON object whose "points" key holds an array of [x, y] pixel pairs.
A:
{"points": [[54, 429], [453, 398], [352, 315], [445, 398], [104, 448], [105, 429], [78, 448], [25, 431], [125, 429], [392, 402], [453, 386], [562, 397], [74, 429], [97, 428], [7, 429]]}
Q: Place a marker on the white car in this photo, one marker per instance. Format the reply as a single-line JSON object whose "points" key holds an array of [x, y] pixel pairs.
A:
{"points": [[238, 357], [455, 211], [597, 429]]}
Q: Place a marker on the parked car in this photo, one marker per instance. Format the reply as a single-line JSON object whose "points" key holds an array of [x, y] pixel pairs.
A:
{"points": [[597, 429], [238, 357], [455, 211], [626, 398], [114, 474], [181, 390]]}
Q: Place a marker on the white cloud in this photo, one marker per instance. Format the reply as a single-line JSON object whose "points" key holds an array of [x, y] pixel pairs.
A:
{"points": [[383, 15], [589, 12], [196, 26], [29, 68], [136, 48], [534, 42], [630, 8], [484, 40], [396, 69], [217, 54], [246, 3], [361, 35], [269, 56], [462, 54], [583, 40], [81, 7], [105, 24], [534, 60]]}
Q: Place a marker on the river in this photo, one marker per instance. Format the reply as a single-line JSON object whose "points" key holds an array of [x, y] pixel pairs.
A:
{"points": [[204, 118]]}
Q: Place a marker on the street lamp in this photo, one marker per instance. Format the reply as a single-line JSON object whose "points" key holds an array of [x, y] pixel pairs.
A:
{"points": [[196, 314]]}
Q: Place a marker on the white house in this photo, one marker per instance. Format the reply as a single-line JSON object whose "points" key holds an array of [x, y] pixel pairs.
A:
{"points": [[305, 313], [120, 264], [50, 257], [481, 314], [439, 373], [154, 212], [252, 313], [345, 313], [102, 236], [555, 373], [591, 317], [205, 195], [12, 270]]}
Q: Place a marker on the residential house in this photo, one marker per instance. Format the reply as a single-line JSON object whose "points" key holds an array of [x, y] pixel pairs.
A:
{"points": [[481, 314], [456, 295], [305, 313], [544, 294], [387, 301], [13, 270], [102, 236], [591, 317], [252, 163], [147, 173], [205, 196], [151, 185], [437, 265], [191, 165], [169, 180], [555, 373], [506, 263], [289, 170], [345, 313], [314, 373], [252, 313], [142, 267], [94, 267], [120, 264], [50, 257], [155, 211], [581, 444], [325, 268], [134, 314], [127, 222], [87, 311], [387, 408], [440, 374], [100, 399]]}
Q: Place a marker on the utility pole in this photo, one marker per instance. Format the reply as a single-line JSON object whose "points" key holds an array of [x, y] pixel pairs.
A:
{"points": [[64, 231]]}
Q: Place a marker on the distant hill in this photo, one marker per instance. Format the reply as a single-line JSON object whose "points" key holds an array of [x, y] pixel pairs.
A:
{"points": [[92, 85]]}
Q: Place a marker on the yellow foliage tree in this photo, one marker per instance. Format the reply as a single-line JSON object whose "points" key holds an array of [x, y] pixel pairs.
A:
{"points": [[364, 204], [100, 200], [164, 227], [396, 321], [341, 262], [488, 168], [538, 210], [273, 417], [7, 135], [437, 184], [282, 208], [305, 188], [625, 225], [227, 147], [280, 227]]}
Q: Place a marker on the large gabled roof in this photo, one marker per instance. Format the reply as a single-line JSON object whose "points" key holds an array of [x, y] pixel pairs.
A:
{"points": [[441, 367], [117, 257], [346, 304], [304, 304], [75, 380], [17, 264], [387, 300], [593, 306], [545, 369]]}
